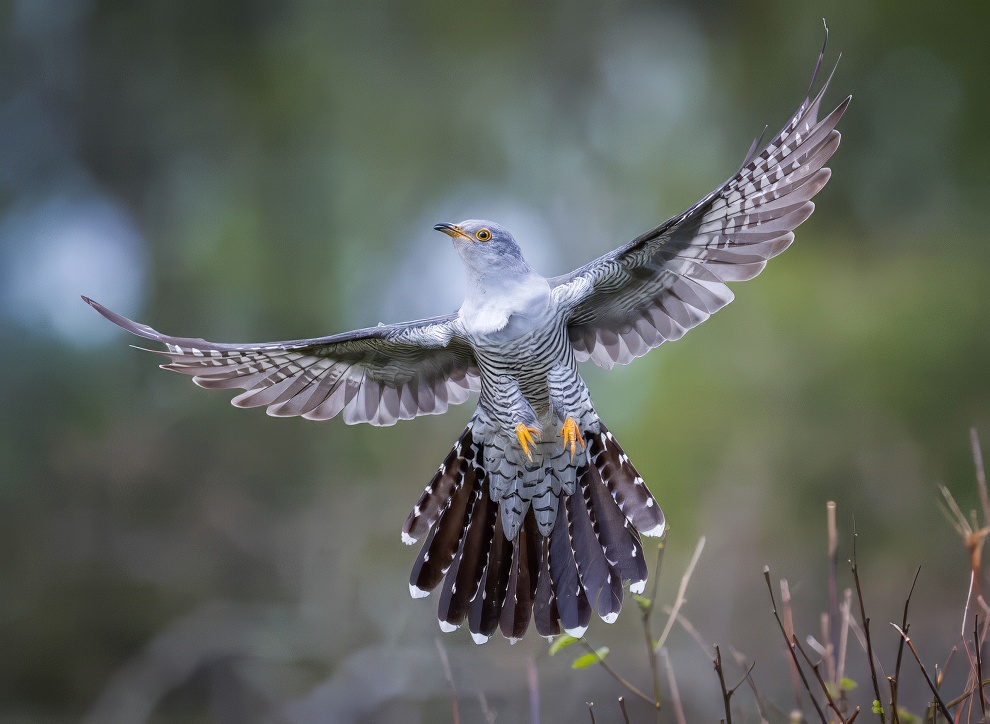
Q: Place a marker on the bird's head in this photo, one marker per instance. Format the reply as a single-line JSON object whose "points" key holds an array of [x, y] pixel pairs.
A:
{"points": [[485, 246]]}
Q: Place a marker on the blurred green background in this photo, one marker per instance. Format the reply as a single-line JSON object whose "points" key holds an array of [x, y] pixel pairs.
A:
{"points": [[257, 170]]}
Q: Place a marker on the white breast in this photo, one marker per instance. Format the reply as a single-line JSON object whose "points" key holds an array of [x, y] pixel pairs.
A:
{"points": [[515, 307]]}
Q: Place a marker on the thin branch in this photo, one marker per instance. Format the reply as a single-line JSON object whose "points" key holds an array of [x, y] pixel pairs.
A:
{"points": [[979, 666], [790, 647], [534, 691], [675, 695], [681, 590], [647, 612], [631, 688], [622, 707], [445, 662], [486, 710], [726, 695], [591, 710], [821, 681], [931, 684], [866, 625], [832, 637], [905, 626], [846, 609], [692, 632], [741, 663], [796, 675]]}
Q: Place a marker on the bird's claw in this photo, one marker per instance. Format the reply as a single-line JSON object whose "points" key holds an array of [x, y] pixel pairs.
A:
{"points": [[572, 436], [527, 435]]}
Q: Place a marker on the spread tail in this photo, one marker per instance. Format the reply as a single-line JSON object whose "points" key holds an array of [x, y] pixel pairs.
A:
{"points": [[557, 580]]}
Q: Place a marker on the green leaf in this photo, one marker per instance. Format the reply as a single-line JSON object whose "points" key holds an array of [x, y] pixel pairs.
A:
{"points": [[560, 642], [877, 707], [583, 662], [643, 602], [847, 684]]}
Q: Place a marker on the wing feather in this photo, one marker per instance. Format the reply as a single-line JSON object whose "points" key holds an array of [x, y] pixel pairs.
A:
{"points": [[378, 375], [673, 277]]}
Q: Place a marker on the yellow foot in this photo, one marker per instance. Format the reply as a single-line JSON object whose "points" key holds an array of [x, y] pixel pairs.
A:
{"points": [[572, 436], [526, 437]]}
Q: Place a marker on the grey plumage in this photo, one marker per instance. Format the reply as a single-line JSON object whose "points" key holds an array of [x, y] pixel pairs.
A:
{"points": [[537, 512]]}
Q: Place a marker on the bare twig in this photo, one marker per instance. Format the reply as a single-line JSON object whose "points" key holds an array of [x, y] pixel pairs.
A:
{"points": [[895, 715], [979, 666], [534, 691], [790, 647], [445, 662], [896, 678], [788, 615], [973, 540], [844, 634], [647, 612], [931, 684], [591, 710], [832, 635], [681, 590], [726, 695], [821, 681], [741, 663], [692, 632], [486, 710], [622, 707], [866, 625], [675, 695], [629, 686]]}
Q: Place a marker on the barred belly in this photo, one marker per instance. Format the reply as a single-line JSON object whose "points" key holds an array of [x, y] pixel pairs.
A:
{"points": [[519, 364]]}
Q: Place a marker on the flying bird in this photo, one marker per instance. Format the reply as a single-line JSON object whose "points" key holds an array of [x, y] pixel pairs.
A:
{"points": [[537, 512]]}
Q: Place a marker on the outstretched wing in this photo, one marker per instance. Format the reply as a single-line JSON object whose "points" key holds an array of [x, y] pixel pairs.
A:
{"points": [[377, 375], [672, 278]]}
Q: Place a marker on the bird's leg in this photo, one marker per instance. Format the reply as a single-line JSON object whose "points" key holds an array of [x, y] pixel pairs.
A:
{"points": [[572, 436], [571, 403], [526, 435]]}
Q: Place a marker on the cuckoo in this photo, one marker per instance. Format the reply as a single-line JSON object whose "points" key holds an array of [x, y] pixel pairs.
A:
{"points": [[536, 513]]}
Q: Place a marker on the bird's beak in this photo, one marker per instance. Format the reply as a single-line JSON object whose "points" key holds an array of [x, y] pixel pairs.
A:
{"points": [[451, 230]]}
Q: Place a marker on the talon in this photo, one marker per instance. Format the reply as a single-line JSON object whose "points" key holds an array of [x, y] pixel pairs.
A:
{"points": [[526, 436], [572, 436]]}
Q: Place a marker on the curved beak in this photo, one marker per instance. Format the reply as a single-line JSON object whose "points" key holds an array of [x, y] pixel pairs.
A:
{"points": [[451, 230]]}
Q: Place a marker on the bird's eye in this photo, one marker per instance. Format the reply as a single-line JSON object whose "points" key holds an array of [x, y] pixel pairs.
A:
{"points": [[483, 235]]}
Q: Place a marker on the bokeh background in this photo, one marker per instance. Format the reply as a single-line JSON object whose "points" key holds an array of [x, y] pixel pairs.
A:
{"points": [[254, 170]]}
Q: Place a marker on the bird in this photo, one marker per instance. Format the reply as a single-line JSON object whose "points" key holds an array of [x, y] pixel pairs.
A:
{"points": [[537, 513]]}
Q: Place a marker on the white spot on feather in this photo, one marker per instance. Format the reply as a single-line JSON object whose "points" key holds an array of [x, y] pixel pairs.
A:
{"points": [[417, 592], [407, 539], [479, 638], [447, 627], [610, 617], [637, 586], [656, 531]]}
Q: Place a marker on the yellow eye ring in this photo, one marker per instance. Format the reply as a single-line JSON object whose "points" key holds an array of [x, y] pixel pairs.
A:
{"points": [[483, 235]]}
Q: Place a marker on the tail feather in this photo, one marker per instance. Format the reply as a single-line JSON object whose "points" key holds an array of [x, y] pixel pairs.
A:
{"points": [[600, 581], [438, 492], [572, 601], [464, 577], [545, 614], [487, 604], [557, 577], [521, 593], [618, 538], [438, 553], [625, 484]]}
